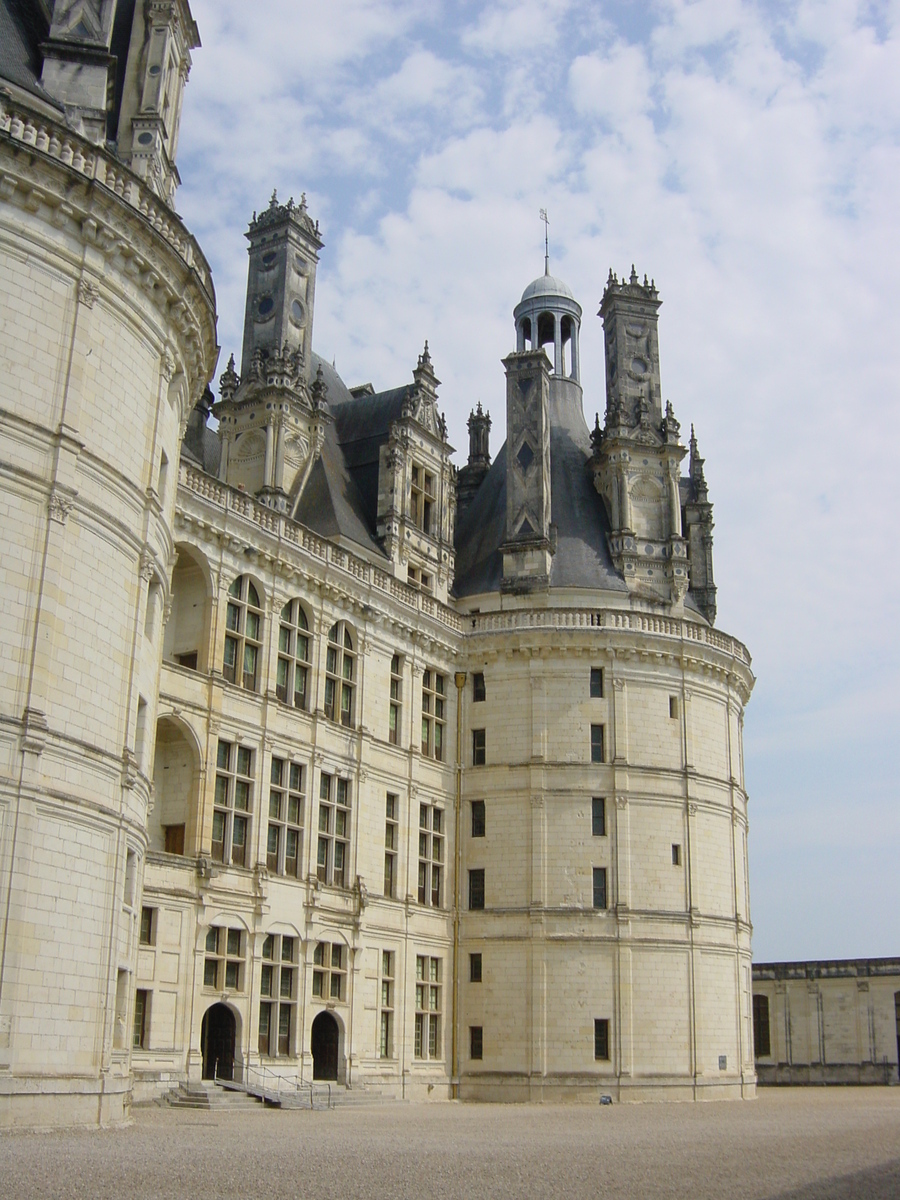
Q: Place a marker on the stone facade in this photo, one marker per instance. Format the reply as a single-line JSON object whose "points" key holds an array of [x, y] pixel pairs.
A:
{"points": [[319, 762], [827, 1022]]}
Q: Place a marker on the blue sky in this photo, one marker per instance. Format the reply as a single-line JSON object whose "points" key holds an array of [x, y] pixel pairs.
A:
{"points": [[744, 154]]}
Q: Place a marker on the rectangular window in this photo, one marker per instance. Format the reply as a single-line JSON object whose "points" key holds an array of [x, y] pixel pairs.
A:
{"points": [[391, 844], [761, 1045], [433, 693], [396, 701], [474, 968], [478, 818], [676, 855], [476, 1042], [422, 494], [284, 840], [224, 960], [333, 847], [597, 683], [419, 579], [478, 748], [599, 887], [278, 995], [233, 804], [427, 1039], [174, 835], [476, 888], [329, 971], [431, 854], [141, 1028], [148, 926], [601, 1039], [597, 744], [386, 1005], [598, 817], [478, 690], [673, 707]]}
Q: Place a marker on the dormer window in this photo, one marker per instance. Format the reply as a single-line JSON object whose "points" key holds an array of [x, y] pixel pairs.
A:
{"points": [[422, 498]]}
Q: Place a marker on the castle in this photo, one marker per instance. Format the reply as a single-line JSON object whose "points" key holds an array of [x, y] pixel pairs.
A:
{"points": [[318, 758]]}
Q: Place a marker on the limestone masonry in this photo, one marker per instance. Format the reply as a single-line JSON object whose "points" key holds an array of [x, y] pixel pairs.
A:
{"points": [[320, 759]]}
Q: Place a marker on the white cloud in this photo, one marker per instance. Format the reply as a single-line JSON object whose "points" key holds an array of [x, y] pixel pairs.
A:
{"points": [[517, 27]]}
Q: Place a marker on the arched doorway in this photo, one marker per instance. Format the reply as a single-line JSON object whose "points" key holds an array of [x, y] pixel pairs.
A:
{"points": [[325, 1035], [217, 1037]]}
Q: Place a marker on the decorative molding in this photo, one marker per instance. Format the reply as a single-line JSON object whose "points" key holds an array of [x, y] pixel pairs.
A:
{"points": [[88, 292], [59, 506]]}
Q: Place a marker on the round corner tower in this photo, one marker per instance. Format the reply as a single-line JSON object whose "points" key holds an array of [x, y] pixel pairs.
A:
{"points": [[107, 317], [603, 850]]}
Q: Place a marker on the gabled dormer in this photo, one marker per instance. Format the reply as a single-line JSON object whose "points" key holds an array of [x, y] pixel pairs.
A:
{"points": [[417, 488]]}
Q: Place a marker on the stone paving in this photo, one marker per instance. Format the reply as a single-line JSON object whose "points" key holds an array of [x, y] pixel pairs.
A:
{"points": [[799, 1144]]}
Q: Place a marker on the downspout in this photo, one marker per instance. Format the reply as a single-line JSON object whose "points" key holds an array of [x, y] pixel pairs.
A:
{"points": [[460, 680]]}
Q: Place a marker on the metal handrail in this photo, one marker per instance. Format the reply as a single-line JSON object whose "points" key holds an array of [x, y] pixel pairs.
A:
{"points": [[273, 1086]]}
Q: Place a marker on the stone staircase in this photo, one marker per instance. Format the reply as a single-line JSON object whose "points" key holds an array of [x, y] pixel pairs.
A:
{"points": [[237, 1097], [211, 1097]]}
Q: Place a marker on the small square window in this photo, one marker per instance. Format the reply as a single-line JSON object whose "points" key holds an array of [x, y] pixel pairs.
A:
{"points": [[478, 823], [676, 855], [597, 755], [474, 968], [601, 1039], [478, 748], [476, 888], [476, 1041], [598, 817], [478, 692], [599, 887], [673, 707], [597, 683]]}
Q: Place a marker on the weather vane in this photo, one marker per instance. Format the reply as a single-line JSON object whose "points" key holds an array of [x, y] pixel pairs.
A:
{"points": [[546, 221]]}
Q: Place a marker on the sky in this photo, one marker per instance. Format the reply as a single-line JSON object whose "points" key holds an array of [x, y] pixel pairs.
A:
{"points": [[743, 153]]}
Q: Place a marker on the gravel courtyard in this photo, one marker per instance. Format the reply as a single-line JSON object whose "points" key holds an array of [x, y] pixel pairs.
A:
{"points": [[801, 1144]]}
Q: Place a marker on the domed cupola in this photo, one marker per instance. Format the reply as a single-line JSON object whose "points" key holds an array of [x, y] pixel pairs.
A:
{"points": [[549, 315]]}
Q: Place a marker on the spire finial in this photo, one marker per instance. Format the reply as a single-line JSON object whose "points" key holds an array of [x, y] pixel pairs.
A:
{"points": [[546, 221]]}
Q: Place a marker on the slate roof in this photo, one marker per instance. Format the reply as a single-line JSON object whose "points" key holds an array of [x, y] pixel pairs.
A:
{"points": [[581, 558], [22, 29]]}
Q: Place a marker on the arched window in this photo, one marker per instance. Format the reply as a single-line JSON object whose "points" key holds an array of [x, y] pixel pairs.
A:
{"points": [[293, 656], [243, 621], [340, 675]]}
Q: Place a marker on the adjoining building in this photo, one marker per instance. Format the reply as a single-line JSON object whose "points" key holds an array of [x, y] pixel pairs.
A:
{"points": [[827, 1022], [321, 760]]}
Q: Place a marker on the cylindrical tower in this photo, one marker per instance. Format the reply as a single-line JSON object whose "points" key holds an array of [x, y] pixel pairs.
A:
{"points": [[605, 930], [107, 317]]}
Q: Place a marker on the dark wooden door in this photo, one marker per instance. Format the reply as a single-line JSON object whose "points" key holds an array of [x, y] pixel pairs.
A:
{"points": [[217, 1037], [325, 1047]]}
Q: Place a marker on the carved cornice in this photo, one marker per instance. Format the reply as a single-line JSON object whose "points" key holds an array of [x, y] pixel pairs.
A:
{"points": [[93, 198]]}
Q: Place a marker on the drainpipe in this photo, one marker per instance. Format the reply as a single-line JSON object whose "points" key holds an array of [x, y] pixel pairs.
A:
{"points": [[460, 680]]}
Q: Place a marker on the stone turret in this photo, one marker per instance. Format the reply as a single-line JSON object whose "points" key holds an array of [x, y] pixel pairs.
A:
{"points": [[472, 474], [637, 454], [281, 282], [698, 526], [272, 417]]}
